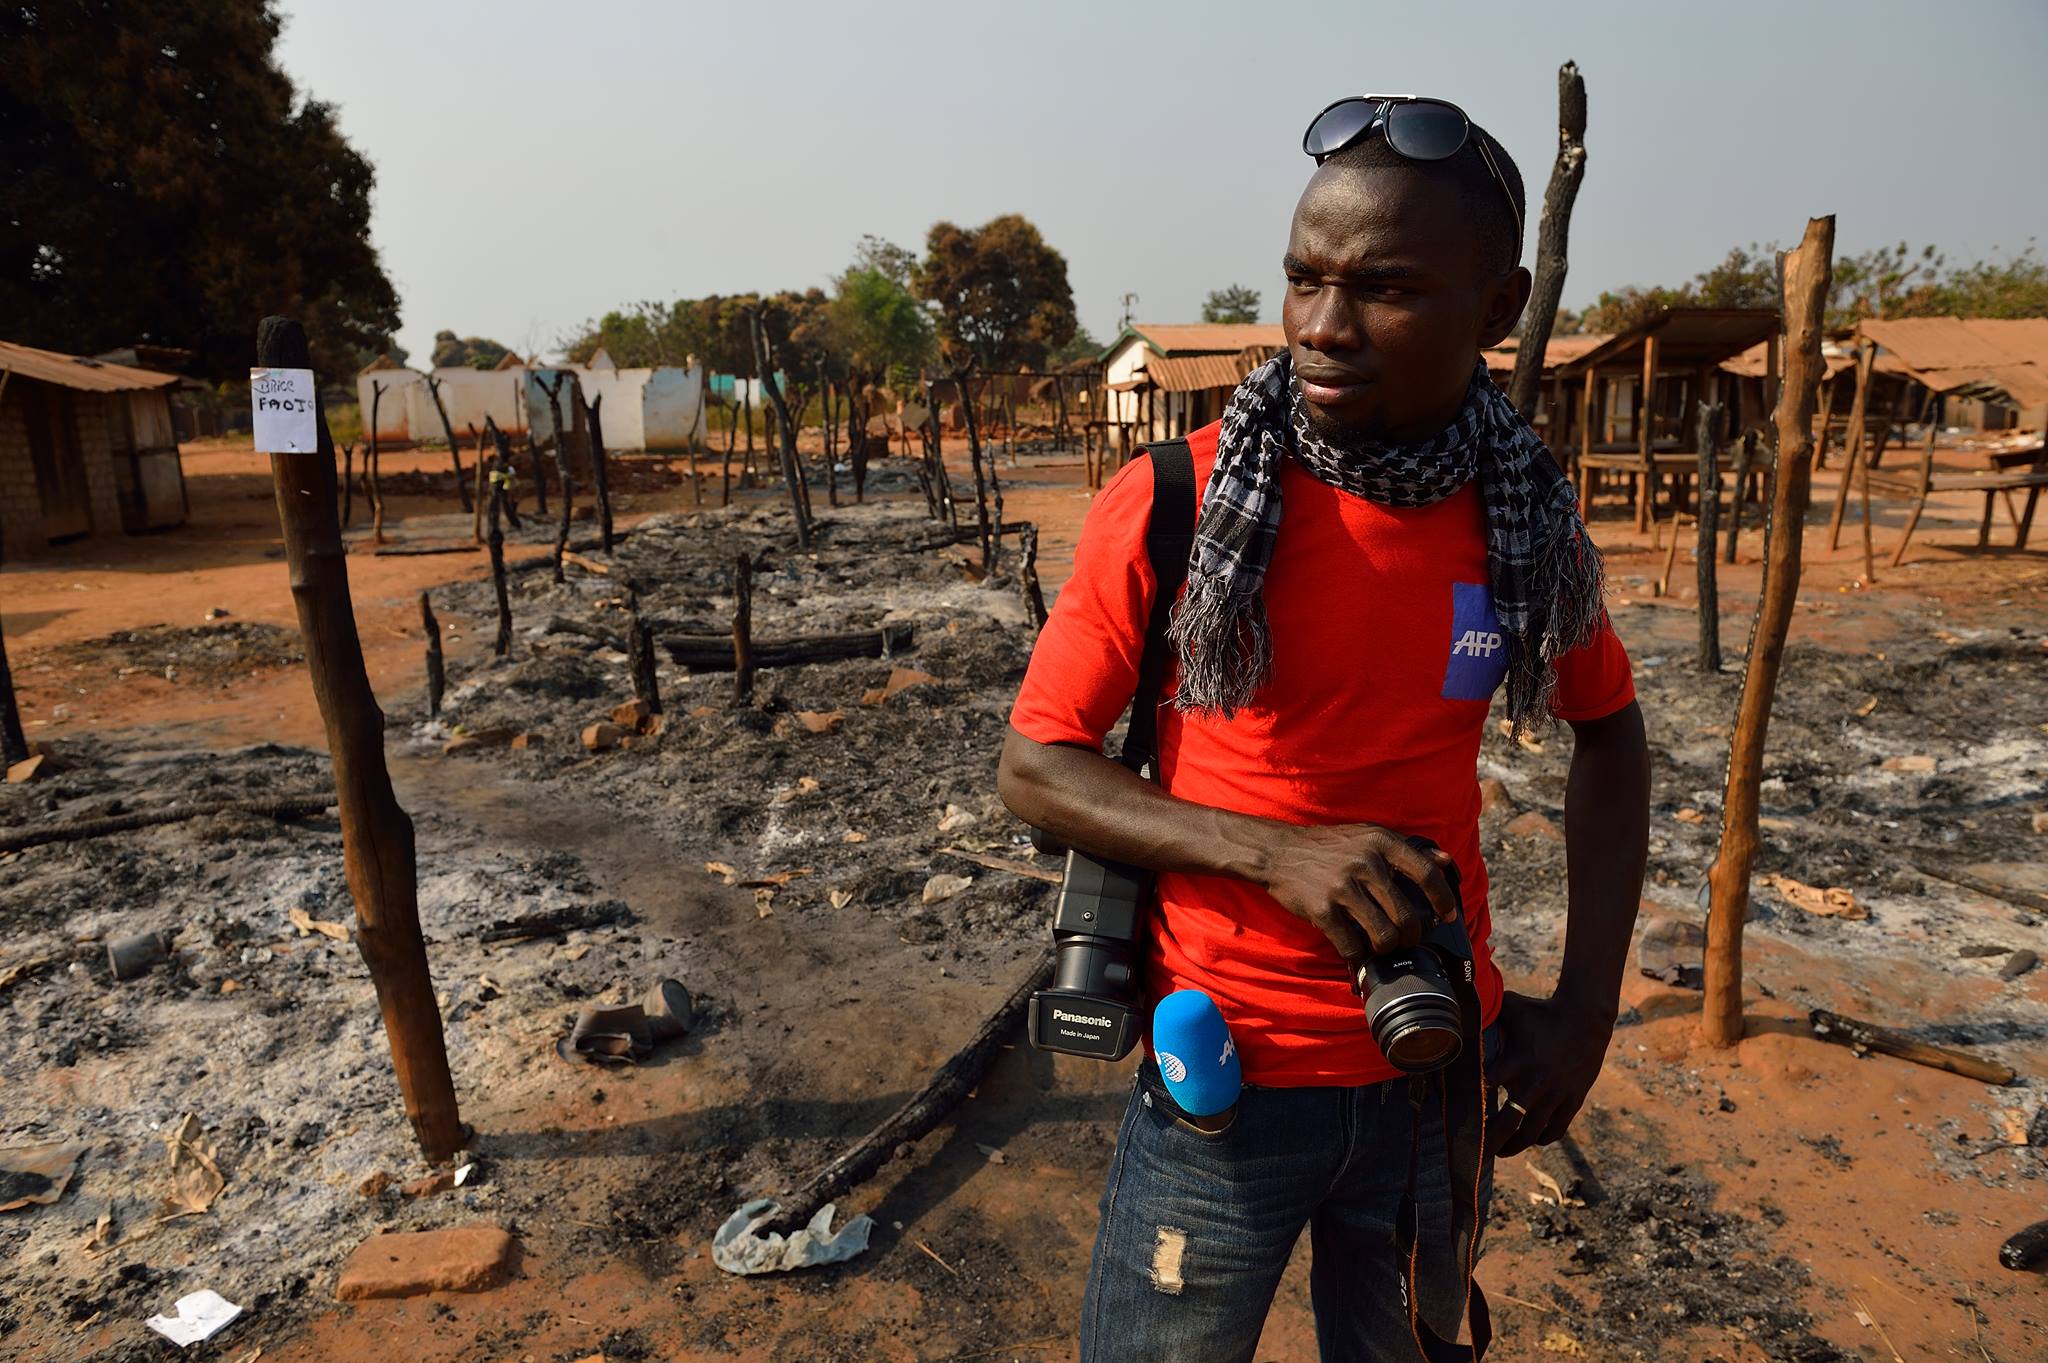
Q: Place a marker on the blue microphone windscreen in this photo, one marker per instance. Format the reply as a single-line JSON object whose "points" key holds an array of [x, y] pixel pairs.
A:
{"points": [[1197, 1058]]}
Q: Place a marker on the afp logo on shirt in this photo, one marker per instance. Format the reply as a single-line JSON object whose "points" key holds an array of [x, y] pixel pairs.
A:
{"points": [[1478, 647]]}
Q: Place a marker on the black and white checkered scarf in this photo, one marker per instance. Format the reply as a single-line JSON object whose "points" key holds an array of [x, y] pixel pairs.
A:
{"points": [[1543, 568]]}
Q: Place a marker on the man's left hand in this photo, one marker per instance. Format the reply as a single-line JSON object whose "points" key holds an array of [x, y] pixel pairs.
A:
{"points": [[1550, 1056]]}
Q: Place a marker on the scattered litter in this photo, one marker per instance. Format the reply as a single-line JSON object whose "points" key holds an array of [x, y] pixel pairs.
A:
{"points": [[134, 956], [1864, 710], [462, 1174], [2018, 964], [103, 1237], [900, 679], [942, 887], [817, 723], [326, 927], [719, 868], [21, 970], [955, 818], [764, 902], [853, 835], [200, 1315], [1558, 1342], [1829, 902], [194, 1177], [608, 1035], [1689, 815], [990, 1153], [37, 1175], [26, 770], [839, 899], [739, 1247]]}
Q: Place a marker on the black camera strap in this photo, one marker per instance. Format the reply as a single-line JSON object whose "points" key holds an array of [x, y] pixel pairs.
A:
{"points": [[1460, 1090], [1169, 540]]}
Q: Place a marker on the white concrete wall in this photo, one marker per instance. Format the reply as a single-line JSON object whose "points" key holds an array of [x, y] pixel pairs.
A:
{"points": [[672, 407], [394, 418], [470, 395]]}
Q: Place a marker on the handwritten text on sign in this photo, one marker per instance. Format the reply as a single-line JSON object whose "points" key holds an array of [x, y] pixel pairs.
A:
{"points": [[285, 411]]}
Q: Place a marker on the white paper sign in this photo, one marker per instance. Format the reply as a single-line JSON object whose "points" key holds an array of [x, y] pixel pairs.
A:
{"points": [[283, 404]]}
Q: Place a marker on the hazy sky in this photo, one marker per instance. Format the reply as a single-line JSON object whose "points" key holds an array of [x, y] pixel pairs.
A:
{"points": [[538, 164]]}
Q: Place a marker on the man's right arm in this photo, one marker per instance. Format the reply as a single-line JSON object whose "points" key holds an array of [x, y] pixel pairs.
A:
{"points": [[1340, 877]]}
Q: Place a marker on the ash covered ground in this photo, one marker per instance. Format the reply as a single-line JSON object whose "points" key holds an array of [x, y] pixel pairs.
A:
{"points": [[828, 840]]}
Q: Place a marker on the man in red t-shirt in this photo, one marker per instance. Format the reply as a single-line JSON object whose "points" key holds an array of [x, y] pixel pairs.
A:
{"points": [[1335, 665]]}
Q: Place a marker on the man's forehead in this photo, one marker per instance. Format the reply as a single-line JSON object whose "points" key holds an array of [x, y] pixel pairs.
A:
{"points": [[1360, 217]]}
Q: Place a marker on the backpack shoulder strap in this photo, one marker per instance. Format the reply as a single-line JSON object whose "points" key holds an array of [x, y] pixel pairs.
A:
{"points": [[1169, 540]]}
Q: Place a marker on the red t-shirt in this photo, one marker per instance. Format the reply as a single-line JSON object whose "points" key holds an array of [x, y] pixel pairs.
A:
{"points": [[1386, 655]]}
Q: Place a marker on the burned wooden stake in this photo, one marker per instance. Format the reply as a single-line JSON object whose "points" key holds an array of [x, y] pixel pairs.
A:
{"points": [[792, 468], [599, 477], [640, 653], [437, 672], [1027, 578], [1864, 1037], [454, 450], [376, 835], [560, 437], [988, 548], [372, 460], [1709, 517], [1551, 233], [725, 464], [1807, 271], [495, 538], [540, 481], [925, 1109], [1743, 463], [348, 484], [476, 507], [742, 630], [13, 742]]}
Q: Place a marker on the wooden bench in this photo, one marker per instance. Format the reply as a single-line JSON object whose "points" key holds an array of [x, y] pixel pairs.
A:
{"points": [[2006, 472]]}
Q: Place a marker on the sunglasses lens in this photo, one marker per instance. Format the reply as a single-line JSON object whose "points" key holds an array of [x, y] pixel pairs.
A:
{"points": [[1424, 130], [1338, 126]]}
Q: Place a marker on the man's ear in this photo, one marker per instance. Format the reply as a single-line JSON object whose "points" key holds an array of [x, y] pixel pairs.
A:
{"points": [[1505, 300]]}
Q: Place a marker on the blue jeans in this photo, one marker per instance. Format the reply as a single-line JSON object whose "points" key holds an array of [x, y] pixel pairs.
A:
{"points": [[1197, 1228]]}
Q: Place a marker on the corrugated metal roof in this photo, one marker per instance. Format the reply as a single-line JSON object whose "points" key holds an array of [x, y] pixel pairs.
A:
{"points": [[1978, 354], [73, 371], [1685, 337], [1558, 351], [1193, 373], [1207, 337]]}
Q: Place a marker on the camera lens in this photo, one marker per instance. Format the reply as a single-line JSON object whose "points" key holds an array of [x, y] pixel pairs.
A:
{"points": [[1412, 1012]]}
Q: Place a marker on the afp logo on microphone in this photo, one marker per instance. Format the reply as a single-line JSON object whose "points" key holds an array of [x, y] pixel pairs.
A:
{"points": [[1478, 656]]}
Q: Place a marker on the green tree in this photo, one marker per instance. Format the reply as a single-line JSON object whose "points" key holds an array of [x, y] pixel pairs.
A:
{"points": [[165, 183], [1002, 293], [472, 352], [875, 321], [1079, 346], [1234, 304], [2015, 287]]}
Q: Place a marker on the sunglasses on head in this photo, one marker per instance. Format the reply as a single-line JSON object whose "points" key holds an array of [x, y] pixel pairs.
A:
{"points": [[1418, 128]]}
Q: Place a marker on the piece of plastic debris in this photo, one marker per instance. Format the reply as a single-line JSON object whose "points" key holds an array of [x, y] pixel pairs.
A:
{"points": [[739, 1247], [462, 1174], [195, 1180], [200, 1315], [38, 1174]]}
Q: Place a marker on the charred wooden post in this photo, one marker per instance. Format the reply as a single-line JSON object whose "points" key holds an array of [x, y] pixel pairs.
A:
{"points": [[376, 835], [1852, 440], [714, 652], [640, 652], [437, 672], [13, 742], [925, 1109], [725, 483], [792, 470], [987, 539], [1744, 461], [454, 451], [540, 481], [560, 436], [742, 630], [1709, 526], [1027, 578], [1867, 1037], [1807, 271], [600, 478], [372, 461], [825, 436], [348, 482], [496, 540], [500, 473], [476, 506], [940, 481], [1551, 233]]}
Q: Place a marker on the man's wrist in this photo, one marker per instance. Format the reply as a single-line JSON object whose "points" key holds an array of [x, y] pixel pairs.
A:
{"points": [[1585, 1005], [1250, 848]]}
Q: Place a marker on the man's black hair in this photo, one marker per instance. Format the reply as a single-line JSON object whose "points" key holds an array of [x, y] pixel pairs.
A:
{"points": [[1500, 248]]}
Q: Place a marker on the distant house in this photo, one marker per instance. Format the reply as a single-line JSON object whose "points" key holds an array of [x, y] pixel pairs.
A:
{"points": [[658, 408], [86, 448], [1164, 380]]}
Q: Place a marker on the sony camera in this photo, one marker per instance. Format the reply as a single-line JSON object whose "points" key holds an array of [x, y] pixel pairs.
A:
{"points": [[1411, 999]]}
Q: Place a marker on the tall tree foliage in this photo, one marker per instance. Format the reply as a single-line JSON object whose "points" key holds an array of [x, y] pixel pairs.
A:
{"points": [[875, 321], [165, 183], [1002, 293], [1234, 304], [467, 352]]}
